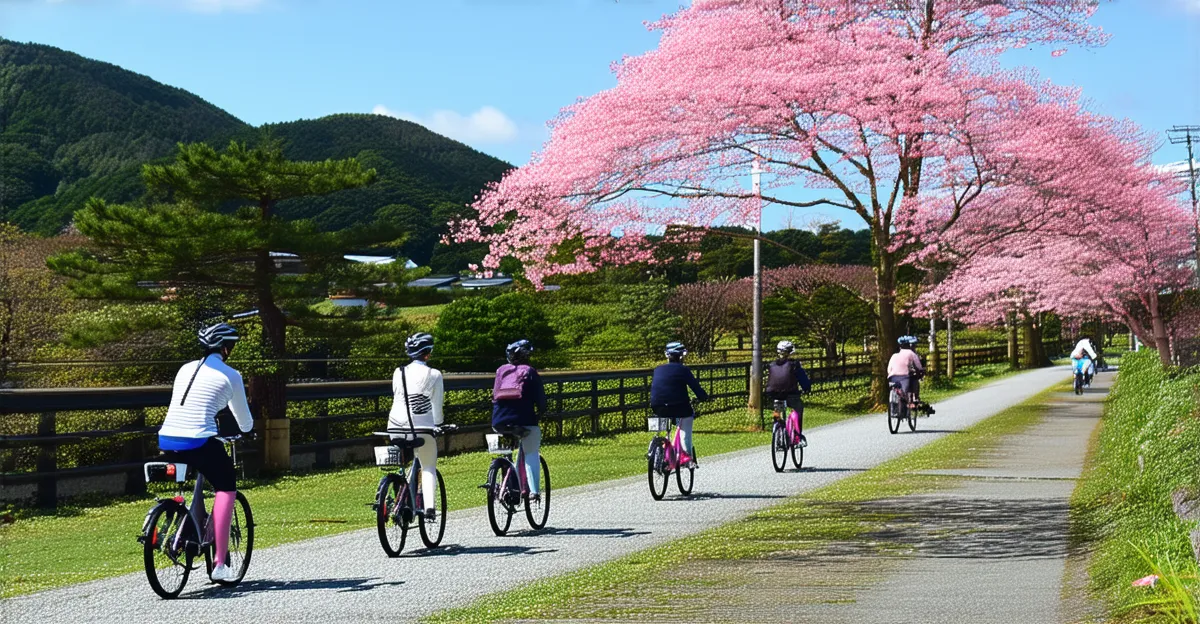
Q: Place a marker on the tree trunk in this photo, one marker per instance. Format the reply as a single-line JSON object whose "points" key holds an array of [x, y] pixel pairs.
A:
{"points": [[1029, 335], [1160, 331], [1010, 325], [885, 322], [831, 351], [935, 357], [949, 348], [269, 390]]}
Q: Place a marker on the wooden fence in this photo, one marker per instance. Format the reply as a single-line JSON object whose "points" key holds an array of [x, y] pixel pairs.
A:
{"points": [[58, 442]]}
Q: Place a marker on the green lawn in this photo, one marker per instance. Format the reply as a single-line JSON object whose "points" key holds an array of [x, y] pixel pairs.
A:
{"points": [[683, 578], [84, 541]]}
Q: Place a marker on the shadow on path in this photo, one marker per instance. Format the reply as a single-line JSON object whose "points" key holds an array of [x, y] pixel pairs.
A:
{"points": [[627, 532], [450, 550], [266, 585]]}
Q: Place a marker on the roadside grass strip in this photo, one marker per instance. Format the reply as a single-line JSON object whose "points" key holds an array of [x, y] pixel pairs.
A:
{"points": [[1123, 513], [91, 539], [816, 547]]}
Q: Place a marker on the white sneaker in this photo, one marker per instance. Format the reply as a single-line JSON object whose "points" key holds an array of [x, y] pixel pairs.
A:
{"points": [[223, 573]]}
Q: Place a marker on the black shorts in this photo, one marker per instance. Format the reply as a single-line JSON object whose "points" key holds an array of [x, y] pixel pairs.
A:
{"points": [[210, 460]]}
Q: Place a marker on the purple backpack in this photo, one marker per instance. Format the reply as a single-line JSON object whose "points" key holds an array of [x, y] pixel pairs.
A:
{"points": [[510, 381]]}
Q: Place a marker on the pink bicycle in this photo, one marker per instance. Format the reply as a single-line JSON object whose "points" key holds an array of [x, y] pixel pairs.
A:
{"points": [[786, 438], [667, 455]]}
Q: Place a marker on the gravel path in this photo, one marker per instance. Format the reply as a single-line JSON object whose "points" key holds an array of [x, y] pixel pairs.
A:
{"points": [[347, 578]]}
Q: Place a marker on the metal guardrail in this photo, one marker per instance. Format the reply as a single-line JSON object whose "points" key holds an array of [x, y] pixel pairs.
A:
{"points": [[62, 434]]}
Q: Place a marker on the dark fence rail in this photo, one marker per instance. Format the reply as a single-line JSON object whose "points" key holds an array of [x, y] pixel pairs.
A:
{"points": [[68, 441]]}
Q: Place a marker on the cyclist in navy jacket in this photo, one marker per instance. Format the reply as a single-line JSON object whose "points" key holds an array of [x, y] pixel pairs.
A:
{"points": [[524, 412], [785, 378], [669, 394]]}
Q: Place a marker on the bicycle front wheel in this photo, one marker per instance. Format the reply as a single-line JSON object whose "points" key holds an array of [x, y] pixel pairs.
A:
{"points": [[241, 542], [164, 550], [499, 489], [388, 521], [911, 414], [778, 446], [432, 531], [538, 510], [656, 472]]}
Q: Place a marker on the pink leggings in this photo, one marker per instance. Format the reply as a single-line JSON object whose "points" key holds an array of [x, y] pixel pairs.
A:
{"points": [[222, 517]]}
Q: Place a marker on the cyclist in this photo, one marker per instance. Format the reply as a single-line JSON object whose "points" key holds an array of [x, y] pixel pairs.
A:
{"points": [[519, 400], [785, 379], [1083, 358], [203, 388], [905, 367], [669, 396], [419, 391]]}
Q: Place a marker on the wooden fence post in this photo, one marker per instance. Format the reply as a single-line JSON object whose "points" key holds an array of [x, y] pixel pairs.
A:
{"points": [[621, 404], [595, 407], [47, 462], [135, 451]]}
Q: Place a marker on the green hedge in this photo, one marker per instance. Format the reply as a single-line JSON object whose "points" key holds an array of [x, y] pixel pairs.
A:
{"points": [[1148, 449]]}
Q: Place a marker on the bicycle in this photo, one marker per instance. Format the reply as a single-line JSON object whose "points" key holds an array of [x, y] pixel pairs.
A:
{"points": [[400, 499], [508, 485], [902, 406], [1082, 376], [786, 438], [170, 536], [664, 457]]}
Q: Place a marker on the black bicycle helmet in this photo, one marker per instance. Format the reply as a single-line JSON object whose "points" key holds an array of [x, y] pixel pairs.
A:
{"points": [[217, 335], [418, 345], [518, 351], [675, 351], [907, 342]]}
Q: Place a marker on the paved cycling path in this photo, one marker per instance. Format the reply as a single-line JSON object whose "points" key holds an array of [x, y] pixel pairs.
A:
{"points": [[347, 578]]}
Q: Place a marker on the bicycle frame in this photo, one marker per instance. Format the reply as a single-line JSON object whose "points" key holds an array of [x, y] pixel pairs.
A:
{"points": [[791, 423], [673, 448]]}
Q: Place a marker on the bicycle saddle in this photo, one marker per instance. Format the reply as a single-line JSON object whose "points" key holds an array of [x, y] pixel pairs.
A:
{"points": [[515, 431], [398, 440]]}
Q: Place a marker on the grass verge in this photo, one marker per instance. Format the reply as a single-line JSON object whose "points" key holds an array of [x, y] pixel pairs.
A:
{"points": [[647, 584], [86, 540], [1123, 511]]}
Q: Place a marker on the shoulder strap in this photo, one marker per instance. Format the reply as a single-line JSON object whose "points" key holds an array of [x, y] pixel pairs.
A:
{"points": [[408, 410], [193, 379]]}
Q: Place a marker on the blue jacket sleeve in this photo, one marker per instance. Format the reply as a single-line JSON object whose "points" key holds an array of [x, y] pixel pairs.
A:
{"points": [[694, 384], [802, 378], [539, 394]]}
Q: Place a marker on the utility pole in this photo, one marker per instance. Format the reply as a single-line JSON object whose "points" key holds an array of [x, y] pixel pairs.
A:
{"points": [[1187, 135], [756, 343]]}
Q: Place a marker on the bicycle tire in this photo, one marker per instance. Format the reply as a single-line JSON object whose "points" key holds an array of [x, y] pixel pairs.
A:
{"points": [[433, 540], [544, 506], [778, 446], [153, 538], [388, 524], [1078, 383], [496, 505], [691, 477], [797, 456], [894, 415], [911, 414], [241, 533], [656, 458]]}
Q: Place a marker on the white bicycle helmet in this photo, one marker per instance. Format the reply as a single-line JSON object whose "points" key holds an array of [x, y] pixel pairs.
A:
{"points": [[785, 347]]}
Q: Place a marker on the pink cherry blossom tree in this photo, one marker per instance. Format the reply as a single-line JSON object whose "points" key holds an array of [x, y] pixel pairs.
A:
{"points": [[891, 111]]}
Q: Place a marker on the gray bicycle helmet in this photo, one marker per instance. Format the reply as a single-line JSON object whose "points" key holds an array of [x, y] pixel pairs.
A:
{"points": [[907, 342], [418, 345], [217, 335], [518, 351], [785, 347]]}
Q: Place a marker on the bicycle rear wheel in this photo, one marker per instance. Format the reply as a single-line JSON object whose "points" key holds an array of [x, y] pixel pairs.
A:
{"points": [[241, 543], [500, 485], [797, 455], [911, 414], [656, 472], [895, 405], [389, 522], [537, 511], [431, 532], [166, 558], [1078, 383], [685, 483], [778, 446]]}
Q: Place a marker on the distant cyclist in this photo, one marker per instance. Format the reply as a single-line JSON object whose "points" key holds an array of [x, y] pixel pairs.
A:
{"points": [[669, 395], [519, 400], [905, 368], [785, 379], [419, 392], [203, 388], [1083, 358]]}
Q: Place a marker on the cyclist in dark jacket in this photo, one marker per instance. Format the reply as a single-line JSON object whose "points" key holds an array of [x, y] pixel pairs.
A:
{"points": [[524, 412], [669, 394], [785, 379]]}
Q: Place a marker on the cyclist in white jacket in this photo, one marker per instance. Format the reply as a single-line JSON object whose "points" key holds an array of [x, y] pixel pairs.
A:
{"points": [[419, 391], [1083, 357]]}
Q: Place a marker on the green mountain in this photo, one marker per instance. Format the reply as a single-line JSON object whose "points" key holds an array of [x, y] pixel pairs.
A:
{"points": [[73, 128]]}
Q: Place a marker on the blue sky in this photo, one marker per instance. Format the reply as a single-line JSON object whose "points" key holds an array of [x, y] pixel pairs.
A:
{"points": [[491, 72]]}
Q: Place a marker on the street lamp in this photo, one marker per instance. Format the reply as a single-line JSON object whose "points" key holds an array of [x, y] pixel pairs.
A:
{"points": [[756, 343]]}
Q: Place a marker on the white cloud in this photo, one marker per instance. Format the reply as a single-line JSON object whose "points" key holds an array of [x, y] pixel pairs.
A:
{"points": [[220, 6], [486, 125]]}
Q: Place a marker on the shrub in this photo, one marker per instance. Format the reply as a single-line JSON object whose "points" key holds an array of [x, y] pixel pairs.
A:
{"points": [[471, 333]]}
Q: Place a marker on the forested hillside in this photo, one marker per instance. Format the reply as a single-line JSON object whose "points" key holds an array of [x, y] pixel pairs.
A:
{"points": [[73, 128]]}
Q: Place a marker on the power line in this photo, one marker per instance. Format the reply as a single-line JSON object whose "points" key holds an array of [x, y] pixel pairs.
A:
{"points": [[1189, 135]]}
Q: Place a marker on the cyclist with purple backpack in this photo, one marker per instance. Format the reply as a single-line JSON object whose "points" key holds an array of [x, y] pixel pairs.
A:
{"points": [[518, 402], [669, 395]]}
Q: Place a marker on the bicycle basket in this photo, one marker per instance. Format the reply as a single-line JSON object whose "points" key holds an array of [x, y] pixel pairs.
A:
{"points": [[389, 456], [498, 443], [165, 472], [655, 423]]}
